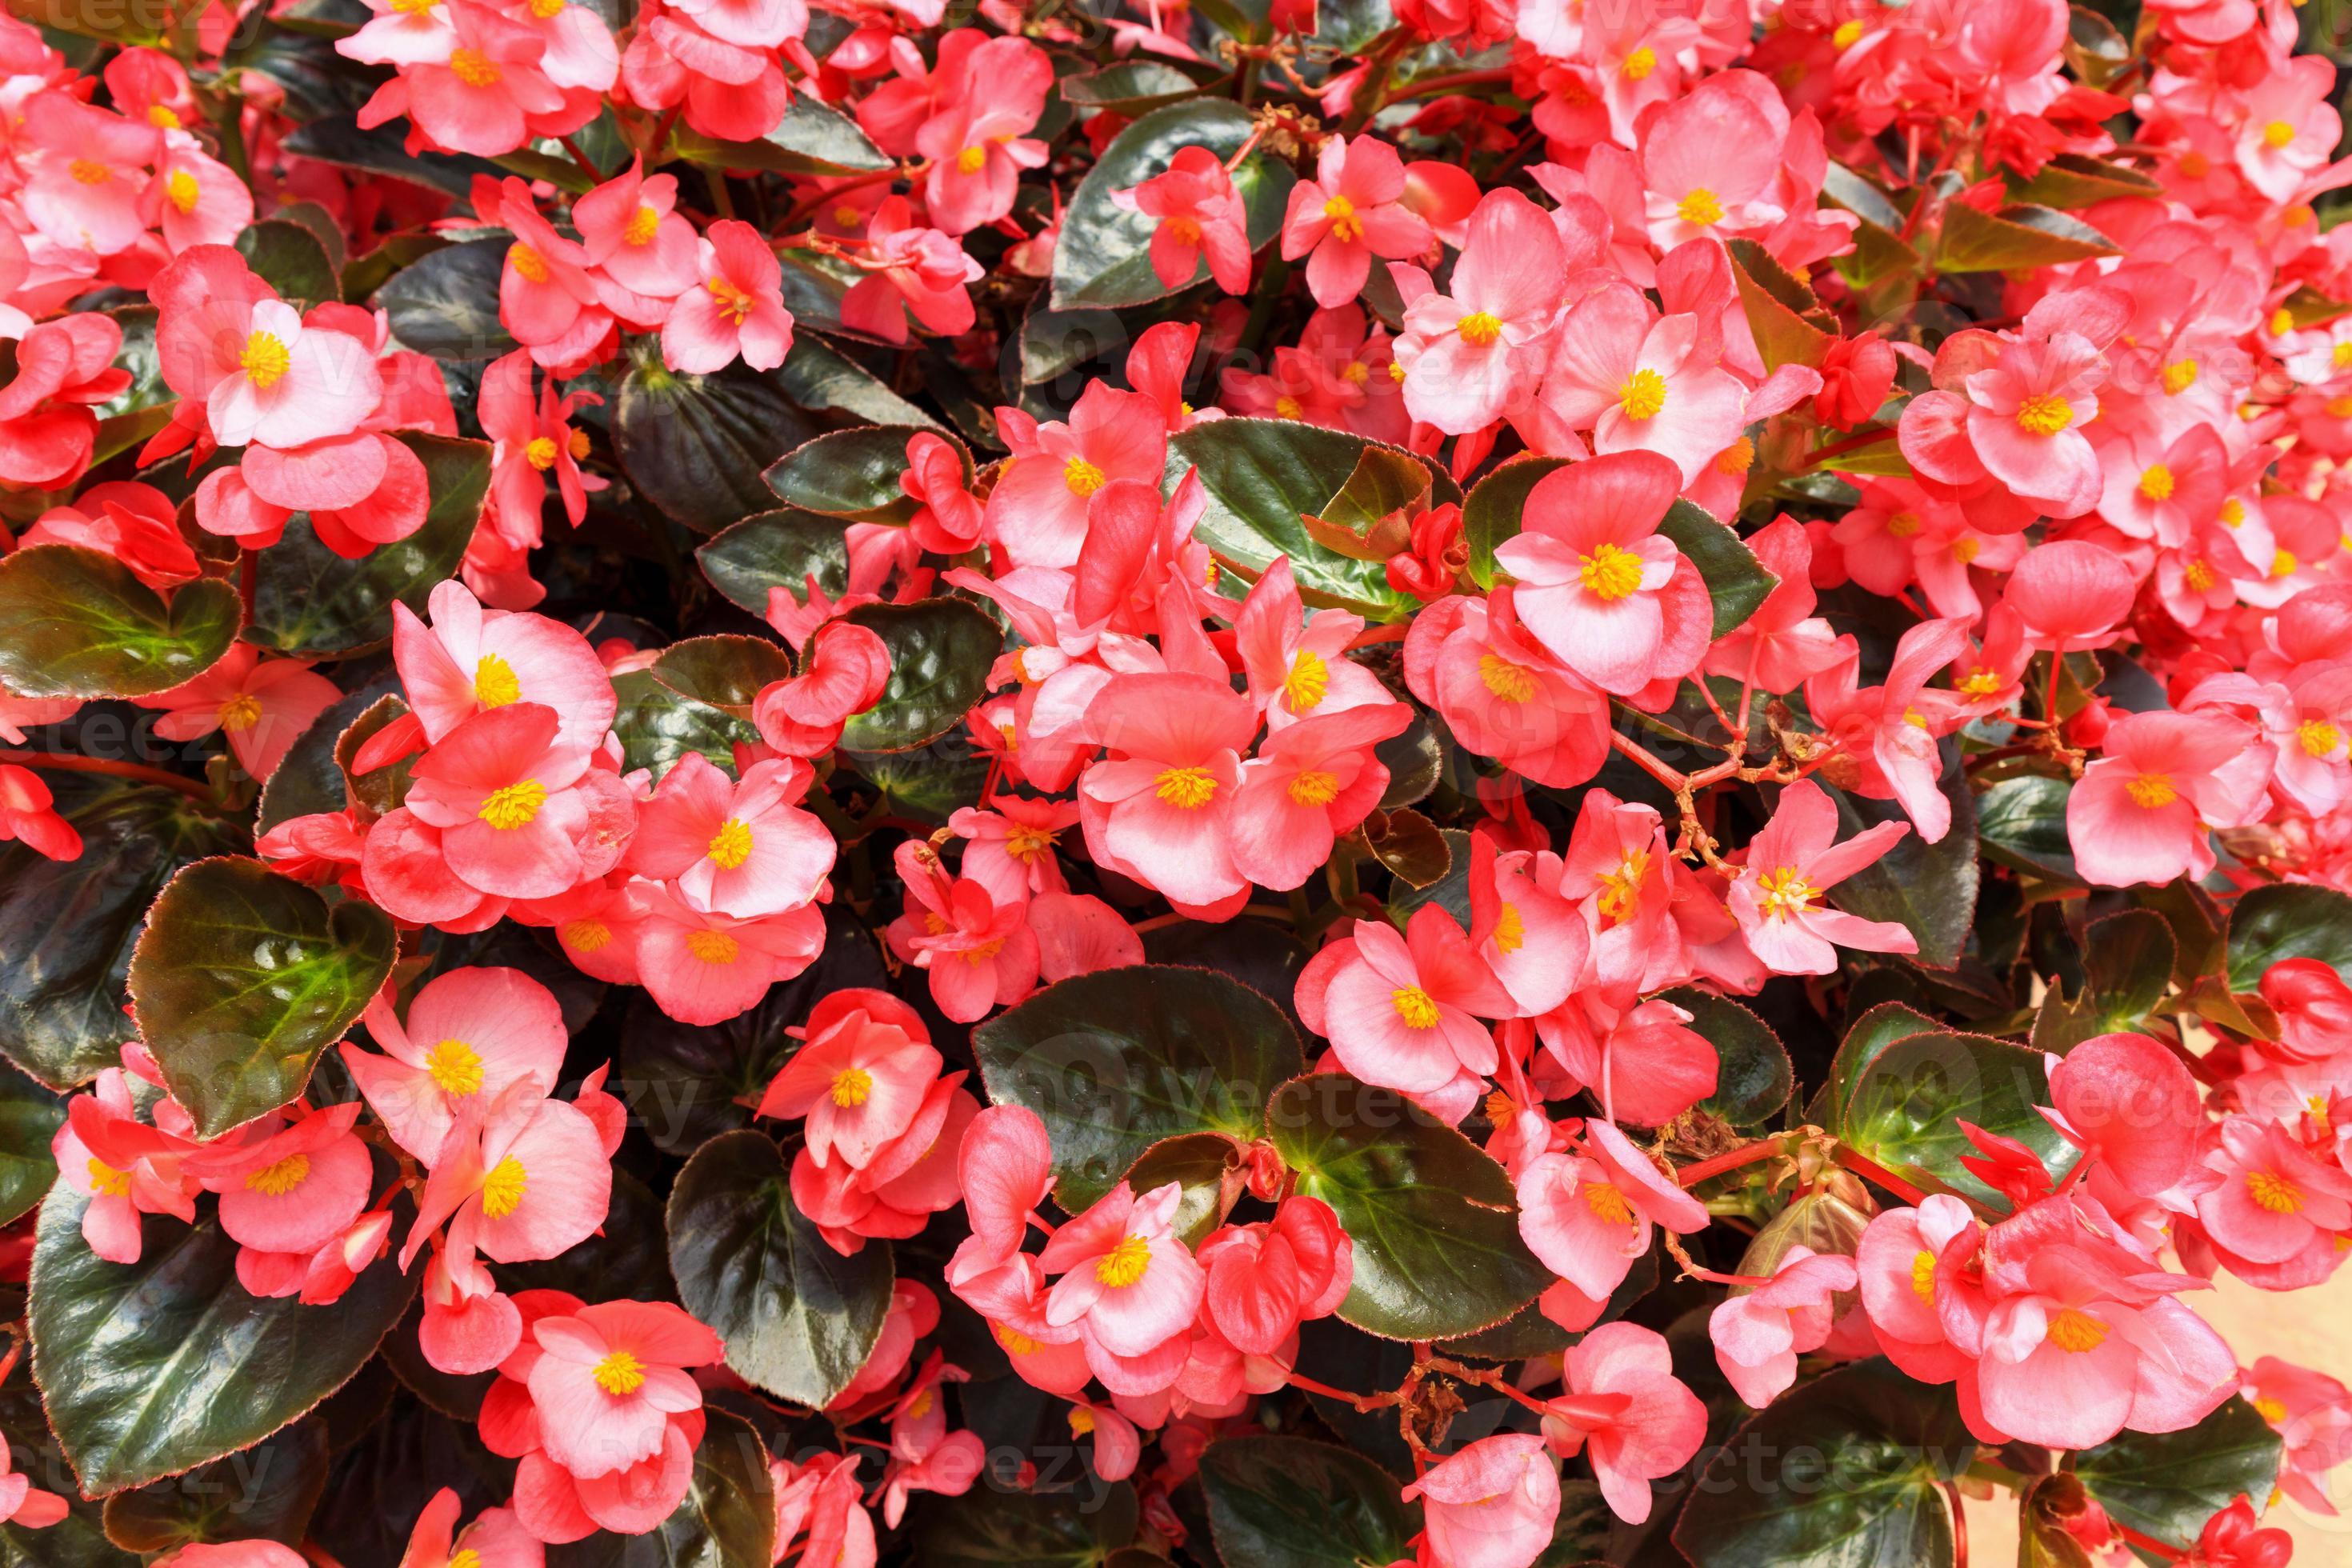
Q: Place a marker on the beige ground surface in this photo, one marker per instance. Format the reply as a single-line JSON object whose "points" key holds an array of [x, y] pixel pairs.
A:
{"points": [[2312, 1326]]}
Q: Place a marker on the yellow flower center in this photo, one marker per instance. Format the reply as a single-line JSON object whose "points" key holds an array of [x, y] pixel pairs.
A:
{"points": [[276, 1181], [106, 1180], [542, 453], [2157, 483], [1903, 525], [1982, 682], [1643, 395], [1848, 33], [2277, 133], [2180, 377], [162, 117], [731, 845], [2273, 1192], [1014, 1341], [619, 1374], [2282, 322], [1641, 63], [455, 1066], [1355, 373], [242, 711], [1025, 843], [852, 1086], [467, 1557], [1786, 893], [495, 685], [2232, 513], [2198, 574], [1288, 407], [2270, 1410], [1965, 550], [514, 805], [473, 68], [1415, 1007], [1125, 1264], [1345, 226], [1309, 679], [1479, 328], [643, 224], [921, 1405], [2283, 564], [502, 1189], [2318, 737], [1187, 789], [1313, 787], [588, 936], [1509, 681], [2340, 356], [265, 360], [182, 188], [1510, 931], [847, 216], [89, 173], [1621, 893], [2152, 791], [579, 444], [735, 304], [713, 946], [1612, 573], [1182, 228], [1607, 1203], [971, 160], [527, 261], [2044, 414], [1700, 208], [1082, 478], [1737, 459], [2076, 1331], [1923, 1276], [1082, 1421]]}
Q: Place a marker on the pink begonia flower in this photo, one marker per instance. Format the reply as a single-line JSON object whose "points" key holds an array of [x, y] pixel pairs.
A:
{"points": [[1643, 1060], [2290, 131], [1643, 382], [82, 188], [1198, 217], [2070, 595], [1158, 808], [1783, 644], [495, 1538], [910, 271], [979, 142], [1621, 1406], [487, 95], [283, 383], [1117, 1446], [124, 1167], [1503, 694], [2278, 1198], [1297, 663], [608, 1379], [1493, 1505], [1598, 586], [470, 1036], [471, 660], [1790, 865], [1907, 1290], [823, 1498], [631, 231], [1352, 211], [1038, 510], [1759, 1333], [1009, 844], [532, 440], [860, 1078], [705, 968], [845, 672], [545, 287], [234, 1554], [2127, 1101], [21, 1503], [1264, 1279], [1004, 1168], [738, 310], [197, 200], [262, 706], [2314, 1006], [465, 1334], [2159, 492], [1889, 731], [978, 952], [914, 1315], [28, 815], [2011, 408], [2313, 1413], [522, 811], [289, 1188], [1126, 1276], [532, 1183], [1309, 783], [1710, 160], [47, 427], [1402, 1011], [1587, 1212], [1531, 936], [135, 523], [1470, 355], [947, 516], [744, 850], [2143, 811]]}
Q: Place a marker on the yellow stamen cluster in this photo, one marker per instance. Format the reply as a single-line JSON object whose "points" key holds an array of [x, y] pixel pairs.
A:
{"points": [[455, 1067], [514, 805]]}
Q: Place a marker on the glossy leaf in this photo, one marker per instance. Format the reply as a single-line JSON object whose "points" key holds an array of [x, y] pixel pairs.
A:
{"points": [[657, 724], [727, 671], [1929, 888], [152, 1368], [811, 139], [1292, 1502], [818, 376], [999, 1527], [798, 1318], [1113, 1062], [2079, 180], [852, 475], [695, 445], [242, 978], [2017, 239], [1491, 512], [2288, 919], [264, 1493], [1905, 1106], [1843, 1472], [1753, 1077], [777, 549], [1200, 1162], [30, 1116], [2128, 962], [1132, 87], [1263, 476], [446, 305], [1434, 1219], [75, 623], [940, 651], [291, 259], [2168, 1484], [2022, 823], [1102, 257], [1790, 325], [67, 927], [727, 1518]]}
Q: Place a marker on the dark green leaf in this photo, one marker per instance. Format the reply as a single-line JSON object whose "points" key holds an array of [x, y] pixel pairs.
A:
{"points": [[695, 445], [1134, 87], [379, 790], [2127, 960], [1736, 580], [940, 651], [1113, 1062], [776, 550], [1787, 321], [446, 305], [798, 1318], [1753, 1078], [1878, 1027], [1843, 1472], [2168, 1484], [2019, 239], [1929, 888], [852, 475], [818, 376], [658, 724], [811, 139], [2079, 180], [1200, 1162], [1101, 258], [1491, 512], [30, 1116], [1434, 1219], [1262, 475], [76, 623], [67, 927], [338, 139], [292, 260], [727, 1518], [727, 671], [2022, 823], [928, 784], [999, 1527], [2288, 919], [1906, 1104], [264, 1493], [310, 600], [1289, 1502], [242, 978], [152, 1368]]}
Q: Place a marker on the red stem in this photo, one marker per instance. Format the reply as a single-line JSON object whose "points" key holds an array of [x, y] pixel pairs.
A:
{"points": [[190, 787], [582, 159], [1764, 1149], [1871, 1169]]}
